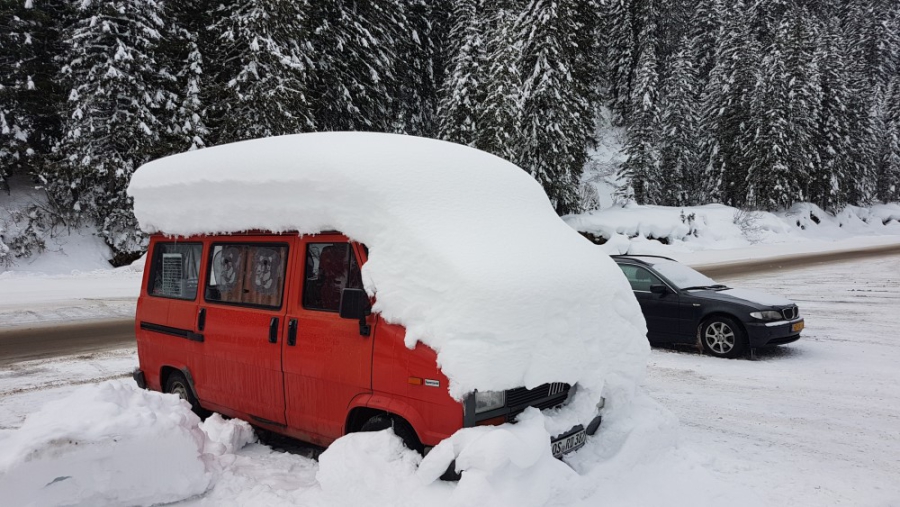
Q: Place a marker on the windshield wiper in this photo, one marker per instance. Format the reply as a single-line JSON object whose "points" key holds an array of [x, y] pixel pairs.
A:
{"points": [[705, 287]]}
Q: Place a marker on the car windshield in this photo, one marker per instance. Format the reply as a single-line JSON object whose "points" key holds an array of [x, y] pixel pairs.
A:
{"points": [[684, 277]]}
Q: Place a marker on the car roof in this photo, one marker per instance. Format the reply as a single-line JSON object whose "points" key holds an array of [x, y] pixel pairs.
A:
{"points": [[642, 259]]}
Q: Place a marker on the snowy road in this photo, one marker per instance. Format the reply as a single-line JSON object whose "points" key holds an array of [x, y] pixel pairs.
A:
{"points": [[815, 423]]}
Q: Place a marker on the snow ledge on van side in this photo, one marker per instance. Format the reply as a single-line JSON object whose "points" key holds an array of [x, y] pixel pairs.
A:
{"points": [[465, 249]]}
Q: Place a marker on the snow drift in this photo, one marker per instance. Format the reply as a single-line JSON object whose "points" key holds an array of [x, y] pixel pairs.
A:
{"points": [[108, 444], [465, 249]]}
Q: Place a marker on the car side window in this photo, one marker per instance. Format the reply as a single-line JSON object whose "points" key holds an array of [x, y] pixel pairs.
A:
{"points": [[639, 278], [247, 274], [330, 268], [175, 271]]}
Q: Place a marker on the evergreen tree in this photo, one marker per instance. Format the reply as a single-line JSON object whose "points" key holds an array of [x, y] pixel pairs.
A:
{"points": [[355, 43], [416, 67], [30, 95], [554, 110], [833, 135], [501, 110], [887, 184], [461, 93], [113, 121], [681, 180], [726, 109], [619, 52], [262, 64], [642, 168]]}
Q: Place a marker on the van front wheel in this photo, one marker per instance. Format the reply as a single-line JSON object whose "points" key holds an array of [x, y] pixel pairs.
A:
{"points": [[178, 385], [401, 428]]}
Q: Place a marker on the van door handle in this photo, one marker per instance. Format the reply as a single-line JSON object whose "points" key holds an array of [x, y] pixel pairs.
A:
{"points": [[201, 319], [273, 330], [292, 332]]}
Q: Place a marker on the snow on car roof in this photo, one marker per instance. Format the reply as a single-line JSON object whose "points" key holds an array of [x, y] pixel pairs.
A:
{"points": [[465, 249]]}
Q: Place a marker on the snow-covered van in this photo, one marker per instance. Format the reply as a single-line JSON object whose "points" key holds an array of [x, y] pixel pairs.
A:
{"points": [[321, 284]]}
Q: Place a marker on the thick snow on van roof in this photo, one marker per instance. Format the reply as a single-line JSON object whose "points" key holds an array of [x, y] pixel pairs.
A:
{"points": [[465, 249]]}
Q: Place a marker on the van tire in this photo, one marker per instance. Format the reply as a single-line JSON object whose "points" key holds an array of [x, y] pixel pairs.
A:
{"points": [[177, 384], [401, 428]]}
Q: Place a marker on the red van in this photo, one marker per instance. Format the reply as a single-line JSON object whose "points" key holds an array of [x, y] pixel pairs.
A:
{"points": [[276, 329]]}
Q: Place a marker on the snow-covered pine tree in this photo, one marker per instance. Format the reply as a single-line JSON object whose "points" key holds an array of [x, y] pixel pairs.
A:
{"points": [[262, 64], [118, 92], [354, 44], [887, 169], [501, 110], [726, 108], [30, 96], [679, 119], [833, 135], [619, 53], [642, 168], [189, 45], [461, 93], [417, 70], [555, 111]]}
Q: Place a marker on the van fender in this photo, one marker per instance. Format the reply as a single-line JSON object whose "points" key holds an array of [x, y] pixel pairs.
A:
{"points": [[393, 406]]}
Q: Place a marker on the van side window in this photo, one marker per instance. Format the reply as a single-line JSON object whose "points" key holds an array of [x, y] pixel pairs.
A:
{"points": [[175, 271], [330, 268], [247, 274], [639, 278]]}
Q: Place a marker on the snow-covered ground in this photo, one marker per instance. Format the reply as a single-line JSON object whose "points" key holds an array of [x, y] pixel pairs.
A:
{"points": [[813, 423]]}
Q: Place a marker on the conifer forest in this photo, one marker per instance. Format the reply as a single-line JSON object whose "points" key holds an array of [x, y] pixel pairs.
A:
{"points": [[754, 104]]}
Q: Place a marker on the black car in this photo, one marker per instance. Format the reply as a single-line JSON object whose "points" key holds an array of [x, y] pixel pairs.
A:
{"points": [[681, 305]]}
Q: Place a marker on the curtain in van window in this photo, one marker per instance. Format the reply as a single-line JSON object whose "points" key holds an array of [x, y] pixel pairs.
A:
{"points": [[249, 274]]}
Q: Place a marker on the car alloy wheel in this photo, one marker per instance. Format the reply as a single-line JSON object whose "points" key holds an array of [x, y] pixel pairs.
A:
{"points": [[720, 338]]}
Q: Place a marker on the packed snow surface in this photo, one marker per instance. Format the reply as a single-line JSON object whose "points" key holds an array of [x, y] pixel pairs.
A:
{"points": [[465, 249]]}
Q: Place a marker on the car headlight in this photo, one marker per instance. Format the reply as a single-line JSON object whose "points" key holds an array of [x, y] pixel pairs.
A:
{"points": [[767, 315], [489, 400]]}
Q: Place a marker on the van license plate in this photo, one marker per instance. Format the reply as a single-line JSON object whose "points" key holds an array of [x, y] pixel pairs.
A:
{"points": [[798, 326], [568, 443]]}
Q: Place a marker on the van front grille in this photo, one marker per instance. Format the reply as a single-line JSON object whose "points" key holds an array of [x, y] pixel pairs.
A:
{"points": [[520, 396]]}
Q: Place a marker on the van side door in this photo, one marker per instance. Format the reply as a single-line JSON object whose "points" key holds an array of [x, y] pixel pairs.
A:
{"points": [[327, 362], [244, 301]]}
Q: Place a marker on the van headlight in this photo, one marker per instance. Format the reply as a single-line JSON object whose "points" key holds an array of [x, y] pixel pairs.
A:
{"points": [[767, 315], [486, 401]]}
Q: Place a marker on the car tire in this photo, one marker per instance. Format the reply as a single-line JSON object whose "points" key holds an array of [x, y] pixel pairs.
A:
{"points": [[178, 385], [401, 428], [722, 336]]}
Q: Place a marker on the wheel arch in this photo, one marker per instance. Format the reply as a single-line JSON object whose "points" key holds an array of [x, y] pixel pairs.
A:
{"points": [[364, 408]]}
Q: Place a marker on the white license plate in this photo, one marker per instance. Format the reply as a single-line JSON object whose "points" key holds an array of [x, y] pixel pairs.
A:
{"points": [[568, 444]]}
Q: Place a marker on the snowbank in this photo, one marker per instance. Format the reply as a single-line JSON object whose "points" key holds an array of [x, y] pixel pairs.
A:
{"points": [[663, 230], [465, 249], [107, 444]]}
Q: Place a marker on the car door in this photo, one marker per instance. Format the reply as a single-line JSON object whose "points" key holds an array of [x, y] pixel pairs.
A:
{"points": [[327, 361], [243, 317], [661, 311]]}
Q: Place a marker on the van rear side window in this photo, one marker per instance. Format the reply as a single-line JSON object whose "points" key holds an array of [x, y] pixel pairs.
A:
{"points": [[249, 274], [175, 270]]}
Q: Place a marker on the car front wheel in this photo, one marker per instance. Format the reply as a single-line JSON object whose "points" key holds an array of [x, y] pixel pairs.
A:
{"points": [[723, 337]]}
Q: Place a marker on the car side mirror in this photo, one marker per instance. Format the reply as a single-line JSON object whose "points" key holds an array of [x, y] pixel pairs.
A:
{"points": [[659, 288], [355, 305]]}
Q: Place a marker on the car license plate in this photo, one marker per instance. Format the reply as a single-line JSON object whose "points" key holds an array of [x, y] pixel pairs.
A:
{"points": [[568, 443], [798, 326]]}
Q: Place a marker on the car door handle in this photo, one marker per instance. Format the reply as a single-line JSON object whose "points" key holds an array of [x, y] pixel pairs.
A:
{"points": [[273, 330], [292, 333], [201, 319]]}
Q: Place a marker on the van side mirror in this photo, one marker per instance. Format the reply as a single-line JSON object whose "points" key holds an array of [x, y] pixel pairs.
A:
{"points": [[355, 305], [659, 288]]}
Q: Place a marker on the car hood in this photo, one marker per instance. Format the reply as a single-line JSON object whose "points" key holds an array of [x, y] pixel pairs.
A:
{"points": [[747, 297]]}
